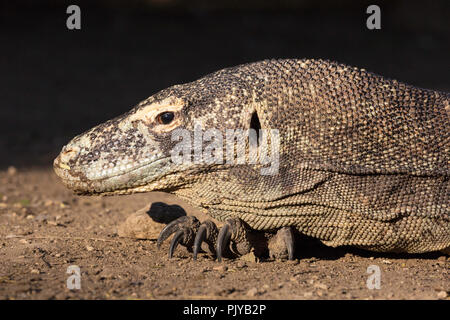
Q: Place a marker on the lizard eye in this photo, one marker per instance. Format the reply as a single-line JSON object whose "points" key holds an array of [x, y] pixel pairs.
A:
{"points": [[165, 117]]}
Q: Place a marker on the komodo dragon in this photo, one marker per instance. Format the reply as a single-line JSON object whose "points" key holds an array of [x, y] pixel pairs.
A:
{"points": [[363, 160]]}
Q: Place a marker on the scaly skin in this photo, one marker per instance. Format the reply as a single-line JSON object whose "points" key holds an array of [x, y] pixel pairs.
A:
{"points": [[364, 160]]}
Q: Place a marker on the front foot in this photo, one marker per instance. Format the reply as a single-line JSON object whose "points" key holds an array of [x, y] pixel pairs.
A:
{"points": [[190, 233], [234, 238]]}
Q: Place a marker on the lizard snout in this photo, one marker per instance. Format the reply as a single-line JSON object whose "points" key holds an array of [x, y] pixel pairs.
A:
{"points": [[67, 154]]}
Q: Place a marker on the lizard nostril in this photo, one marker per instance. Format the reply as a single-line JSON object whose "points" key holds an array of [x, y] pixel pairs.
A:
{"points": [[68, 153]]}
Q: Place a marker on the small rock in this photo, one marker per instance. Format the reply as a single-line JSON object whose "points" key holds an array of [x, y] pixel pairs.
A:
{"points": [[89, 248], [241, 264], [386, 262], [221, 268], [442, 258], [140, 225], [48, 203], [442, 294], [249, 257], [322, 286], [30, 216], [252, 292], [12, 171], [3, 205], [308, 294], [41, 218], [35, 271], [23, 241], [64, 205]]}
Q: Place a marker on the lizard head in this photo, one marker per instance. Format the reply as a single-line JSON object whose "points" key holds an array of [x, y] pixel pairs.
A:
{"points": [[132, 153]]}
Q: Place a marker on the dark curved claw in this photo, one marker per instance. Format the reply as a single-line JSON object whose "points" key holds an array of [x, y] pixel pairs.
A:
{"points": [[184, 228], [177, 238], [171, 228], [223, 240], [199, 238]]}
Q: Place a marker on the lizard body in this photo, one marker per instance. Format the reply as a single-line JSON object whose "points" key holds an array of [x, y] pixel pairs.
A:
{"points": [[363, 160]]}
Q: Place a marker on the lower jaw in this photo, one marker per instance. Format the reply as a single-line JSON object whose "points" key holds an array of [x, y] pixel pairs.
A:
{"points": [[126, 183]]}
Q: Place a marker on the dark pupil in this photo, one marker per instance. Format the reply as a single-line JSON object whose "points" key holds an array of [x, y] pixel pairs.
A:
{"points": [[166, 117]]}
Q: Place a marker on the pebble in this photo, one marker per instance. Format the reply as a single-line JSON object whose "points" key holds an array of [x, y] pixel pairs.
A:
{"points": [[386, 262], [24, 241], [48, 203], [252, 292], [249, 257], [308, 294], [12, 171], [221, 268], [35, 271], [41, 218], [89, 248], [442, 258], [442, 294], [321, 286]]}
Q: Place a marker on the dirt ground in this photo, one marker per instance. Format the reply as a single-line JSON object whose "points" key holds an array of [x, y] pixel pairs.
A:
{"points": [[57, 83], [44, 229]]}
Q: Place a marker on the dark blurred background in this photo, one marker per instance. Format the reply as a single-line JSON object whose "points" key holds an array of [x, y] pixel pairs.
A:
{"points": [[56, 83]]}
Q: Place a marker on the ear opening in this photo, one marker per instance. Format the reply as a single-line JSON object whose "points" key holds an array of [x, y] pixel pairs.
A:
{"points": [[255, 124]]}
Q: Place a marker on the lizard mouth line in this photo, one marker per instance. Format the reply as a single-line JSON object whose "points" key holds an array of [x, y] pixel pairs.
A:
{"points": [[100, 176], [71, 174]]}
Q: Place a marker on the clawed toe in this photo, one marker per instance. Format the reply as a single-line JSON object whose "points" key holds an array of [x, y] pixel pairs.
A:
{"points": [[234, 236], [207, 232], [282, 244], [184, 228], [223, 240]]}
